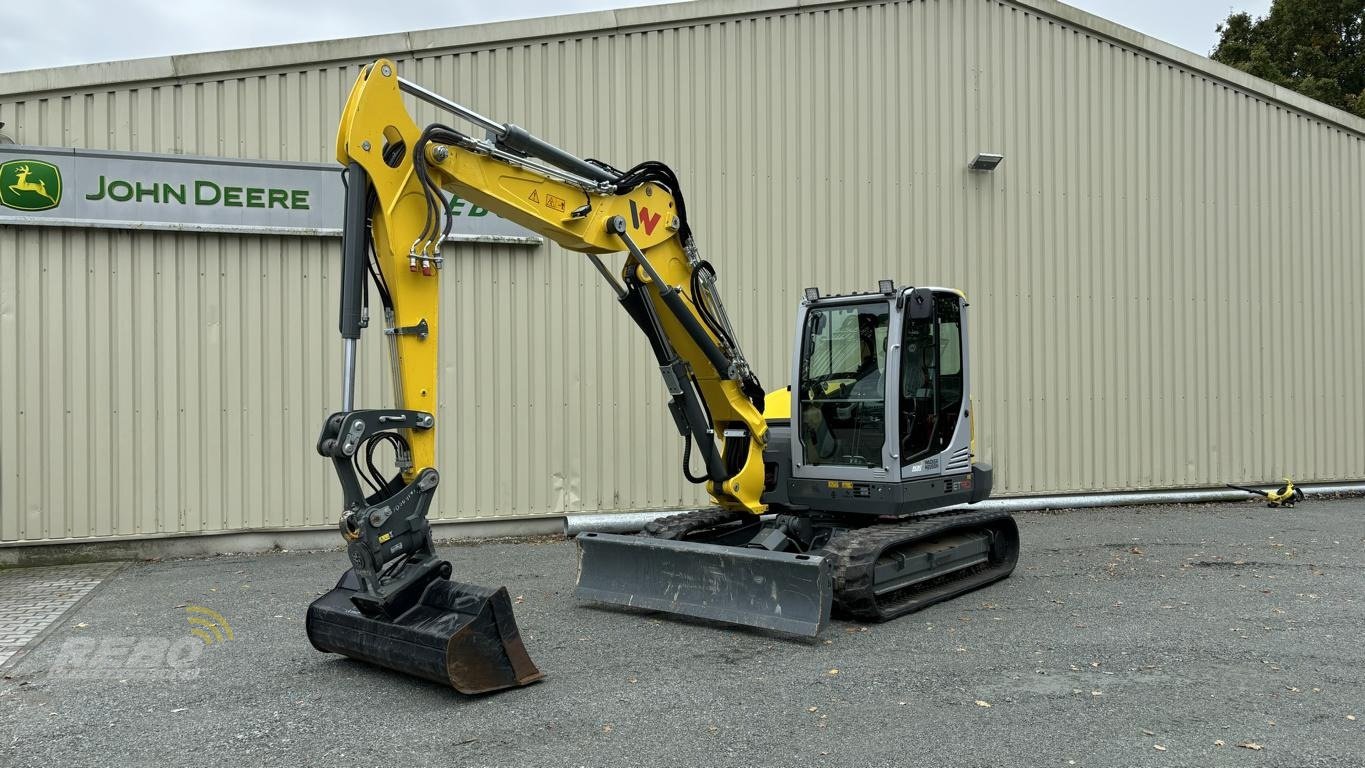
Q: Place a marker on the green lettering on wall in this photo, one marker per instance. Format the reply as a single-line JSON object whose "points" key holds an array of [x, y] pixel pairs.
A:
{"points": [[99, 193], [206, 193]]}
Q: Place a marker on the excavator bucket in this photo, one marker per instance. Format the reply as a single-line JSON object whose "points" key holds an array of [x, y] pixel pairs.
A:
{"points": [[461, 635], [781, 591]]}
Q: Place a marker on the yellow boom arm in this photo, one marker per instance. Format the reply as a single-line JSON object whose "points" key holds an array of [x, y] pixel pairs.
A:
{"points": [[663, 284]]}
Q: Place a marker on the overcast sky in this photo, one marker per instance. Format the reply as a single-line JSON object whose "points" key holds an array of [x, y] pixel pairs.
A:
{"points": [[50, 33]]}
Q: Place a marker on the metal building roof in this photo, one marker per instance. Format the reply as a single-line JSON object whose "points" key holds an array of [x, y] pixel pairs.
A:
{"points": [[198, 66]]}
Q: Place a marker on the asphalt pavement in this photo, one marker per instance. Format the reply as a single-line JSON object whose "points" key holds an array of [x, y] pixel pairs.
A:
{"points": [[1207, 635]]}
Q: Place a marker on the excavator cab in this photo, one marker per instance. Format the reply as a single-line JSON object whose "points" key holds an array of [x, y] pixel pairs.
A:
{"points": [[879, 400]]}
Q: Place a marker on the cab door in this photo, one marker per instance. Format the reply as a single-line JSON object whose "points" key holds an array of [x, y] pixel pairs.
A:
{"points": [[843, 373], [933, 426]]}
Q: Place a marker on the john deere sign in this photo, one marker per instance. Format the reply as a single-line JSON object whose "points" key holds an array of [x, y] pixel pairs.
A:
{"points": [[42, 186], [30, 185]]}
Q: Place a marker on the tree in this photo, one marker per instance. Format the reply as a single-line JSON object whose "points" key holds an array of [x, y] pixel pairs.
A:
{"points": [[1315, 47]]}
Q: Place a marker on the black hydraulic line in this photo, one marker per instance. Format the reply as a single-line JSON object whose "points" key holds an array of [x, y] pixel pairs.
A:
{"points": [[519, 140], [698, 298], [685, 404], [693, 408], [689, 323], [674, 302], [377, 275], [430, 191], [354, 252], [659, 173], [636, 304], [687, 462], [655, 171]]}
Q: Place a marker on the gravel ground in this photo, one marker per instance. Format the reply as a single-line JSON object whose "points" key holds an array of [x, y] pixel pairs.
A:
{"points": [[1163, 636]]}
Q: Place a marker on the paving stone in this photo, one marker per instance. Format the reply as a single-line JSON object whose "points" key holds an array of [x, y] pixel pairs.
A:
{"points": [[33, 599]]}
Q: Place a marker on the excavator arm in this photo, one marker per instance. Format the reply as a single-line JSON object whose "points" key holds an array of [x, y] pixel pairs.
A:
{"points": [[397, 606], [664, 285]]}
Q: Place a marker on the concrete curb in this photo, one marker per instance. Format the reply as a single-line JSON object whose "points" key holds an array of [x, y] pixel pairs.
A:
{"points": [[229, 542]]}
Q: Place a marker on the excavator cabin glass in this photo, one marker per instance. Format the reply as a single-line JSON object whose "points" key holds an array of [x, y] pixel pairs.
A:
{"points": [[843, 391], [931, 380]]}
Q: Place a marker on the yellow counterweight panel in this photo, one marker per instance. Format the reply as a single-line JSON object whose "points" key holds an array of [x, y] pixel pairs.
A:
{"points": [[777, 405], [375, 117]]}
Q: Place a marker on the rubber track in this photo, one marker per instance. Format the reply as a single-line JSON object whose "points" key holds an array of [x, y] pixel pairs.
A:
{"points": [[675, 527], [854, 554]]}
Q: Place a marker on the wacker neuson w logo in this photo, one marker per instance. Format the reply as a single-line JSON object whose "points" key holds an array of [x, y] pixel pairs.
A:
{"points": [[30, 185]]}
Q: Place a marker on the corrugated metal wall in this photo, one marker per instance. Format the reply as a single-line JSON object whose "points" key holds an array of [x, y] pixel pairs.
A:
{"points": [[1164, 271]]}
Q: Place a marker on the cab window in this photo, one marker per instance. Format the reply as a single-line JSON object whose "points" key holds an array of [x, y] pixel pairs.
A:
{"points": [[843, 385], [931, 380]]}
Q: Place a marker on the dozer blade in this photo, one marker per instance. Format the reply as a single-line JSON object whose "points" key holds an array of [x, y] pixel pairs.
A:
{"points": [[461, 635], [755, 587]]}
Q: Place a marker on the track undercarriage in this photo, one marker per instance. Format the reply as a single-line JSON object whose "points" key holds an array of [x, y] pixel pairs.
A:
{"points": [[786, 572]]}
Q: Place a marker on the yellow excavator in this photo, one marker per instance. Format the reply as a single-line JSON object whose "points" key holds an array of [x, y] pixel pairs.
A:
{"points": [[846, 489]]}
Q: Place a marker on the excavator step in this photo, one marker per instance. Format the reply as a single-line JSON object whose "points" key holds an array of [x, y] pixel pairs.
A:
{"points": [[780, 591], [460, 635]]}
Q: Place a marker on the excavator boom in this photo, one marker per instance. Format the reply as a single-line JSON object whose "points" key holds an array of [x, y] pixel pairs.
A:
{"points": [[397, 606], [664, 285]]}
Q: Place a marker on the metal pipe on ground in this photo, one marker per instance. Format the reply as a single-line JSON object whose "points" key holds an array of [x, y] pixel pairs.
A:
{"points": [[634, 521], [625, 522]]}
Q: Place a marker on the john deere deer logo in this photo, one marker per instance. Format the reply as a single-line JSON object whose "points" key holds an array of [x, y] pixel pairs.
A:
{"points": [[30, 185]]}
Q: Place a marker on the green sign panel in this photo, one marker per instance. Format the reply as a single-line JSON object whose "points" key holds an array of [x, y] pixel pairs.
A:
{"points": [[30, 185], [130, 190]]}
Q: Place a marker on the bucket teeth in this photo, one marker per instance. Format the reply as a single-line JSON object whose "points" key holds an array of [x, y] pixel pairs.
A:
{"points": [[780, 591], [460, 635]]}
